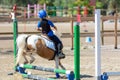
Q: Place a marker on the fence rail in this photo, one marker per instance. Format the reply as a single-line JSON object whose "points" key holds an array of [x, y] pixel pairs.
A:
{"points": [[59, 19]]}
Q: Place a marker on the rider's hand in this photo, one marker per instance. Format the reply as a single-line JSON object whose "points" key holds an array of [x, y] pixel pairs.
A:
{"points": [[38, 29]]}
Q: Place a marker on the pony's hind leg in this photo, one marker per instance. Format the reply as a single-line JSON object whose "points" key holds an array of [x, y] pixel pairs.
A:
{"points": [[26, 61], [57, 65], [57, 62], [61, 65]]}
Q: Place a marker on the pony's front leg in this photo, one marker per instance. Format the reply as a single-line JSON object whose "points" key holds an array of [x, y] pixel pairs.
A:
{"points": [[26, 61], [30, 55], [19, 55], [32, 58]]}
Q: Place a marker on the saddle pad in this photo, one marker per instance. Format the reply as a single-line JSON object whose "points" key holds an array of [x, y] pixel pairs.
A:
{"points": [[49, 43], [33, 39]]}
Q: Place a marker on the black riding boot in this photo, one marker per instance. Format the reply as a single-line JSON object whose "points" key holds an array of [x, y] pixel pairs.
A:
{"points": [[59, 51], [58, 46]]}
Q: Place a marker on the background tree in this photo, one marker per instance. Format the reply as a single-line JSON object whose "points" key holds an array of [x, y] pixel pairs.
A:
{"points": [[113, 4], [103, 4], [41, 1]]}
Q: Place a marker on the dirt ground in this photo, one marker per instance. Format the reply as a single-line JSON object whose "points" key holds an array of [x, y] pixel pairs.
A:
{"points": [[110, 61]]}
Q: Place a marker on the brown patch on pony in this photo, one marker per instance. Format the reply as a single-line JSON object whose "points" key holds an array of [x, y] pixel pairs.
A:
{"points": [[43, 51]]}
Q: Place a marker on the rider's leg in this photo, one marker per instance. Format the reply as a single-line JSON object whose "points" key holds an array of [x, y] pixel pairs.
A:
{"points": [[58, 46]]}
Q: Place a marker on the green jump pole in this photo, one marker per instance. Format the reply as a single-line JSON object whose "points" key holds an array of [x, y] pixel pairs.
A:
{"points": [[15, 34], [27, 66], [76, 52]]}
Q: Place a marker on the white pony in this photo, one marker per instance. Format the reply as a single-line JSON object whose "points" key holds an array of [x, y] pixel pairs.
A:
{"points": [[41, 45]]}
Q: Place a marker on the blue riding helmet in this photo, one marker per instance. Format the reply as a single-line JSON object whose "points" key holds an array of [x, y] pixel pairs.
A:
{"points": [[42, 14]]}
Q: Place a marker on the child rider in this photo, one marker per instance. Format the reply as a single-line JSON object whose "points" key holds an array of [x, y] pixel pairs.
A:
{"points": [[45, 26]]}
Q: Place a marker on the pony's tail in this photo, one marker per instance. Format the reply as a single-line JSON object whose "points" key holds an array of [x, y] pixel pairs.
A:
{"points": [[21, 43]]}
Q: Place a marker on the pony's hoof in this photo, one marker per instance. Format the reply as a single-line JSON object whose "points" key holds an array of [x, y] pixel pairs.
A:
{"points": [[31, 61], [26, 62], [21, 70]]}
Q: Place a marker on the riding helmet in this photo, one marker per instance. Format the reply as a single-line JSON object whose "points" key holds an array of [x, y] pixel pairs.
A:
{"points": [[42, 14]]}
